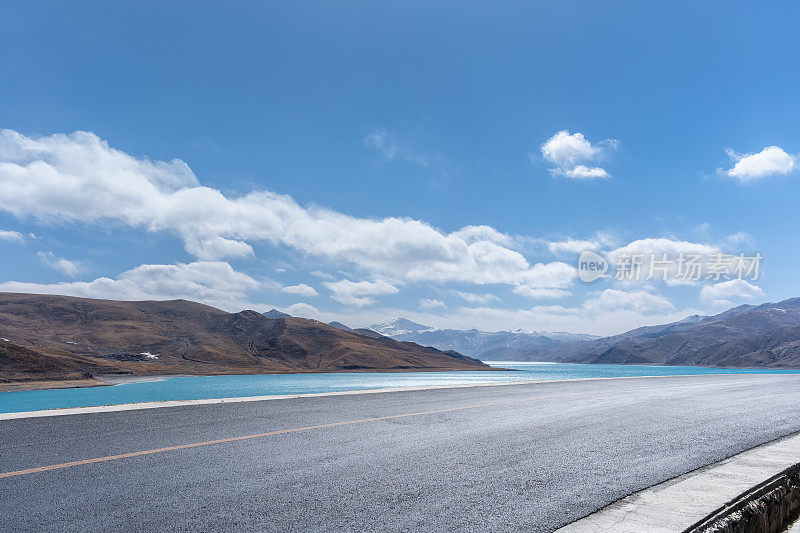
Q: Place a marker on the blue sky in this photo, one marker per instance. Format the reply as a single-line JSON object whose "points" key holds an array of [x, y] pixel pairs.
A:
{"points": [[384, 129]]}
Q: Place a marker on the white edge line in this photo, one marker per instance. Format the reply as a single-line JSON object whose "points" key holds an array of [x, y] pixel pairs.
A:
{"points": [[208, 401]]}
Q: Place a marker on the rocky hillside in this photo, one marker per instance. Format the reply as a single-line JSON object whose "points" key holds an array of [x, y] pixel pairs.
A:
{"points": [[767, 335], [61, 337]]}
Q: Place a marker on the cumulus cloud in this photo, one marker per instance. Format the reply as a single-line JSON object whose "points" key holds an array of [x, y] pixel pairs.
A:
{"points": [[80, 178], [540, 294], [570, 152], [303, 310], [657, 249], [584, 172], [555, 318], [770, 161], [215, 248], [547, 280], [11, 236], [357, 293], [301, 289], [660, 246], [600, 240], [476, 298], [70, 268], [572, 246], [643, 301], [214, 283], [721, 294], [473, 234], [428, 303], [608, 312]]}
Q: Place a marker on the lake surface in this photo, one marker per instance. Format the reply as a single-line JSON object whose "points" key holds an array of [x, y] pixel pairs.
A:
{"points": [[203, 387]]}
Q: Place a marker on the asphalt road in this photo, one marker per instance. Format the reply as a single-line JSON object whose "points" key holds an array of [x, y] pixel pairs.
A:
{"points": [[509, 458]]}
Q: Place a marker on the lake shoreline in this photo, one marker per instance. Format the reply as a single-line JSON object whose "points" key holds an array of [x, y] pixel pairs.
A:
{"points": [[50, 384], [110, 380], [106, 380]]}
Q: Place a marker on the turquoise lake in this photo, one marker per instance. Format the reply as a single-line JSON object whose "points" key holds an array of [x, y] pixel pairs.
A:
{"points": [[195, 388]]}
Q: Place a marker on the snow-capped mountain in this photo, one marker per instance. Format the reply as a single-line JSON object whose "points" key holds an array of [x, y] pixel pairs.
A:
{"points": [[400, 326], [480, 344]]}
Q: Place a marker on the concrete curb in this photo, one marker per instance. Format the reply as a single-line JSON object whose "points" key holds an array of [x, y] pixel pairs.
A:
{"points": [[769, 507], [704, 497]]}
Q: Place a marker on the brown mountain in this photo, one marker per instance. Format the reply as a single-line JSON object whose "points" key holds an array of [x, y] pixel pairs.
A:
{"points": [[62, 337], [767, 335]]}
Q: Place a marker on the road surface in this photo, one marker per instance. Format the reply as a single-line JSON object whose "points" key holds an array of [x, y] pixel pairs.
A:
{"points": [[507, 458]]}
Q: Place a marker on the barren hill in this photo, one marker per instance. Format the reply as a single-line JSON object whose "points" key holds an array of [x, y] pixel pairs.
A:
{"points": [[63, 337], [767, 335]]}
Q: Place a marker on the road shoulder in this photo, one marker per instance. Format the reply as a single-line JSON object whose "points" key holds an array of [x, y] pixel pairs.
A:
{"points": [[681, 502]]}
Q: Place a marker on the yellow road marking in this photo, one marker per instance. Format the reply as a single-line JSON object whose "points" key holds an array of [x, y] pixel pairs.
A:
{"points": [[248, 437]]}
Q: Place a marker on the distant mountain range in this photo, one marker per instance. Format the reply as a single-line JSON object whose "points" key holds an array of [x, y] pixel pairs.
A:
{"points": [[45, 337], [498, 345], [766, 335]]}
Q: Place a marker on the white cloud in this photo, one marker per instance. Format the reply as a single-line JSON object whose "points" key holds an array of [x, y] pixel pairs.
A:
{"points": [[384, 142], [300, 289], [584, 172], [428, 303], [476, 298], [214, 283], [663, 245], [357, 293], [303, 310], [215, 248], [740, 238], [703, 229], [600, 240], [473, 234], [769, 161], [540, 294], [642, 301], [11, 236], [80, 178], [547, 281], [393, 148], [650, 248], [555, 318], [721, 294], [70, 268], [606, 313], [573, 246], [568, 152]]}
